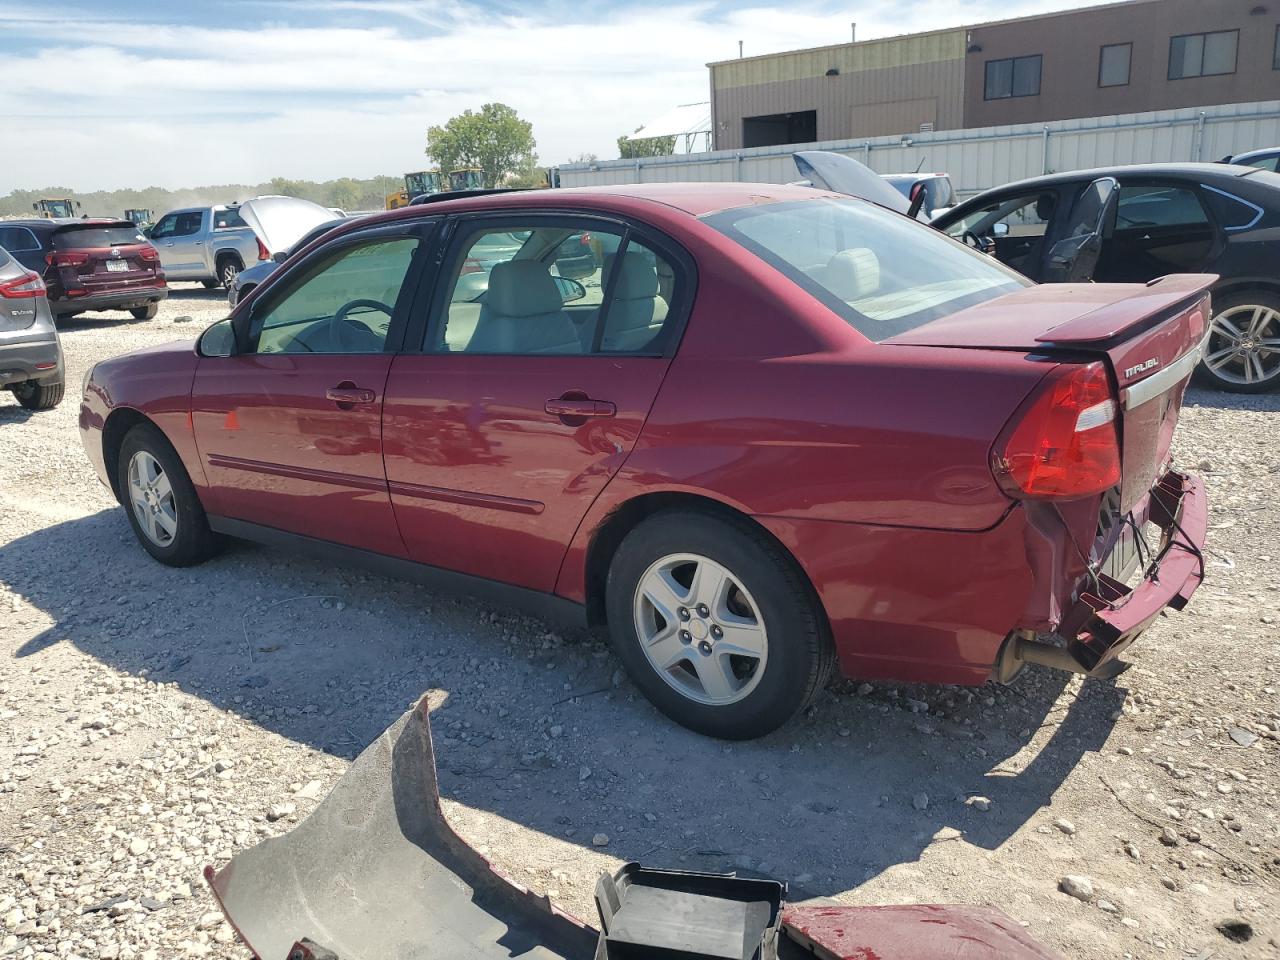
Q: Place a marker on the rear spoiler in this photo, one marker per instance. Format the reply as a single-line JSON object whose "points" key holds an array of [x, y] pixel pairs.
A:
{"points": [[94, 224], [1154, 302]]}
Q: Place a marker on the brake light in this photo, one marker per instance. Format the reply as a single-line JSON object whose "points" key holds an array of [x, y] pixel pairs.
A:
{"points": [[66, 259], [1065, 445], [263, 254], [22, 288], [470, 265], [149, 253]]}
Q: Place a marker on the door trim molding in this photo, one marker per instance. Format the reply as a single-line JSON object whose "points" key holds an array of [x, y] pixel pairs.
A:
{"points": [[465, 497], [376, 484]]}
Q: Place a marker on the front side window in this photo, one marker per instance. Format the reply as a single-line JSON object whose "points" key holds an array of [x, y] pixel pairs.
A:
{"points": [[1113, 65], [539, 289], [1014, 77], [178, 225], [342, 305], [1203, 54], [884, 274]]}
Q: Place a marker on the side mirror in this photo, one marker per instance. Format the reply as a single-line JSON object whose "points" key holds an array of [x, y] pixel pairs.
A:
{"points": [[218, 341], [1000, 230], [570, 290], [280, 256], [1074, 259]]}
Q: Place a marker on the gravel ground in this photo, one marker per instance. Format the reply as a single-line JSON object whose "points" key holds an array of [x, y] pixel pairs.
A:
{"points": [[157, 720]]}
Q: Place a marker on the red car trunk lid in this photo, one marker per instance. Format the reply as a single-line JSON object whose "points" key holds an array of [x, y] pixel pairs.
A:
{"points": [[1151, 336]]}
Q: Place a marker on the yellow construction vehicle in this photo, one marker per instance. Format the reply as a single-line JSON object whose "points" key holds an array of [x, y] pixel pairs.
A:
{"points": [[469, 178], [55, 208], [415, 184]]}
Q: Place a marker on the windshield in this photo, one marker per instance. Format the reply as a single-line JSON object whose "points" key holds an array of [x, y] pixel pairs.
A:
{"points": [[884, 274], [80, 238]]}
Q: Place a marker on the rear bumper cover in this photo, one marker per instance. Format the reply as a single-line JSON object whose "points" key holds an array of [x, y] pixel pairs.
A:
{"points": [[113, 300], [30, 360], [1109, 616]]}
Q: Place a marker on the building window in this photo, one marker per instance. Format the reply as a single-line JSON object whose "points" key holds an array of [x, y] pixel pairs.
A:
{"points": [[1015, 77], [1113, 65], [779, 128], [1203, 54]]}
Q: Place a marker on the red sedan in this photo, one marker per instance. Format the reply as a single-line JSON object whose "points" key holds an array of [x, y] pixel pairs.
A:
{"points": [[773, 431]]}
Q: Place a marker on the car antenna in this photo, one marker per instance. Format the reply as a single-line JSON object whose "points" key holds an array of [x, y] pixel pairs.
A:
{"points": [[921, 163]]}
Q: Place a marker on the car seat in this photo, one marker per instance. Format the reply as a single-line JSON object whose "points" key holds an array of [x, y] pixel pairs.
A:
{"points": [[523, 313], [636, 312]]}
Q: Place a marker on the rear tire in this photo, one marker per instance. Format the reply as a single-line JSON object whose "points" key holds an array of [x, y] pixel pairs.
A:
{"points": [[209, 284], [145, 313], [160, 501], [228, 268], [733, 590], [1242, 353], [39, 396]]}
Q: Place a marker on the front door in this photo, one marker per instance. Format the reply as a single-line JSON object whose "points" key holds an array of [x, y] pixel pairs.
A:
{"points": [[289, 428], [179, 237], [1020, 225], [530, 389]]}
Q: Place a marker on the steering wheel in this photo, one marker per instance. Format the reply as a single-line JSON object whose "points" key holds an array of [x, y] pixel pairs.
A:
{"points": [[336, 323], [971, 239]]}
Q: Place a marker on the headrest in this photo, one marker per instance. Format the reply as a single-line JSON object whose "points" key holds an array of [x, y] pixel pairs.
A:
{"points": [[853, 274], [637, 278], [1045, 205], [522, 288]]}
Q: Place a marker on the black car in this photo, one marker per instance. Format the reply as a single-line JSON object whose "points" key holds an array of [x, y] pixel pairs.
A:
{"points": [[89, 265], [1133, 224]]}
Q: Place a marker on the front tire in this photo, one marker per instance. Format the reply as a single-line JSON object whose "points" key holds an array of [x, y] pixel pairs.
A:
{"points": [[1242, 353], [209, 284], [39, 396], [715, 624], [160, 500], [145, 313]]}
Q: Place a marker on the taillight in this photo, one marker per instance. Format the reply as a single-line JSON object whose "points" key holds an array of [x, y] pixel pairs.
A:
{"points": [[150, 254], [66, 259], [470, 265], [1064, 445], [22, 288], [262, 251]]}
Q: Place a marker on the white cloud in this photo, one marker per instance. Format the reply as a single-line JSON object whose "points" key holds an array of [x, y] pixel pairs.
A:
{"points": [[174, 104]]}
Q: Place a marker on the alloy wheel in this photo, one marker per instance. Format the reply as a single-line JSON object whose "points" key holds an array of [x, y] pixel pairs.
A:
{"points": [[700, 629], [1244, 344], [229, 273], [151, 496]]}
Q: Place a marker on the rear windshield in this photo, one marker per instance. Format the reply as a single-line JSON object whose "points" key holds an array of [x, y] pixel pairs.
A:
{"points": [[884, 274], [80, 238]]}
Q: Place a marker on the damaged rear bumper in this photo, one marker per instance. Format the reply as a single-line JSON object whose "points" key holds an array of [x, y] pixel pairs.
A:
{"points": [[1109, 615]]}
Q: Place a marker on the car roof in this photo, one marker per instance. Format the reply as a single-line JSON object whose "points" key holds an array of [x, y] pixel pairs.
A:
{"points": [[1189, 171], [1240, 158], [695, 199]]}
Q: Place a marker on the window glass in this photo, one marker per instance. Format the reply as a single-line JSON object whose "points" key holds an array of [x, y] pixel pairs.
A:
{"points": [[1113, 65], [79, 238], [18, 239], [1026, 216], [178, 225], [1203, 54], [344, 305], [1271, 163], [164, 226], [1026, 77], [1016, 77], [1159, 207], [227, 219], [999, 79], [881, 272]]}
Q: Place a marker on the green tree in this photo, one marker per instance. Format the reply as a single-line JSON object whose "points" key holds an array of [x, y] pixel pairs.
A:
{"points": [[646, 147], [344, 193], [495, 140], [284, 187]]}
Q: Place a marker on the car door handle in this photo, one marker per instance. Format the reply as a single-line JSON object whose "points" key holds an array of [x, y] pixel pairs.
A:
{"points": [[347, 395], [198, 243], [574, 407]]}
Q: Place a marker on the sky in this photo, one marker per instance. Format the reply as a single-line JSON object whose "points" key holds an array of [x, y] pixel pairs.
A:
{"points": [[108, 94]]}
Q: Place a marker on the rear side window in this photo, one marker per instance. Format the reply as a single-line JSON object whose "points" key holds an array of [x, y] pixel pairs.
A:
{"points": [[227, 220], [82, 238], [884, 274], [1159, 207], [18, 239]]}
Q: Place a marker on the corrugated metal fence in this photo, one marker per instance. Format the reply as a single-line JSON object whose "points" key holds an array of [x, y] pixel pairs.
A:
{"points": [[980, 159]]}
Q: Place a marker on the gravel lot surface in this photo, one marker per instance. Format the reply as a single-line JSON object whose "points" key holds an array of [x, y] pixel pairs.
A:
{"points": [[154, 720]]}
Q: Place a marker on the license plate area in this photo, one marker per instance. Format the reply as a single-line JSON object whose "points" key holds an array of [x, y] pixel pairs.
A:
{"points": [[117, 266]]}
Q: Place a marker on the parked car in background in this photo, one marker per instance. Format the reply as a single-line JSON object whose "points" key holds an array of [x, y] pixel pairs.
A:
{"points": [[248, 279], [860, 443], [936, 193], [89, 266], [30, 355], [282, 225], [1157, 219], [209, 244], [1265, 159]]}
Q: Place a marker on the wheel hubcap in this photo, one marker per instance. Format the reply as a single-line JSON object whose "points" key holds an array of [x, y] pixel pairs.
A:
{"points": [[700, 629], [1244, 344], [151, 497]]}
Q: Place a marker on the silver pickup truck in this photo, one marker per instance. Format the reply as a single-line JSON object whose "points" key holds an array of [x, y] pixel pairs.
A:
{"points": [[210, 244]]}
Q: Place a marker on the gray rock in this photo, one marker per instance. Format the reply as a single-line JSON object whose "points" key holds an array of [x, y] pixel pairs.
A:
{"points": [[1076, 886], [1066, 826], [600, 840], [920, 801]]}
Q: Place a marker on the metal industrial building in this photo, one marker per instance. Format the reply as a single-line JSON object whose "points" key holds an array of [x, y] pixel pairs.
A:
{"points": [[1121, 58]]}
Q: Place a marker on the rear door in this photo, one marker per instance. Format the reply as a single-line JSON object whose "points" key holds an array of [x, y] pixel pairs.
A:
{"points": [[290, 428], [1160, 228], [528, 389]]}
